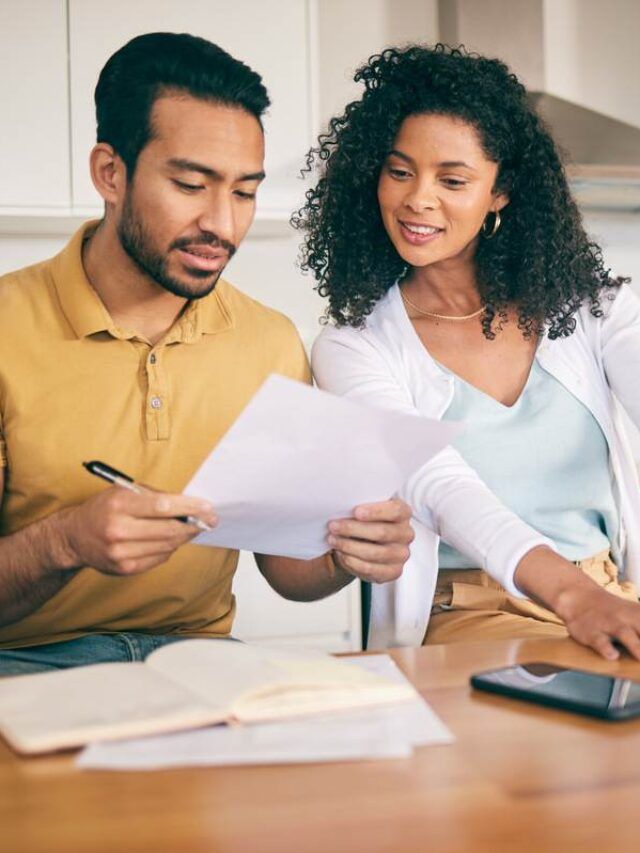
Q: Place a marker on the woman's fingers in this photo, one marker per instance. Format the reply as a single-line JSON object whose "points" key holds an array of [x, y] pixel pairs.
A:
{"points": [[601, 630], [600, 619], [602, 644], [628, 636]]}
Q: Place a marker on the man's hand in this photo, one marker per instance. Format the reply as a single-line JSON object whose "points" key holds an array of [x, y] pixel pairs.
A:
{"points": [[374, 544], [119, 532]]}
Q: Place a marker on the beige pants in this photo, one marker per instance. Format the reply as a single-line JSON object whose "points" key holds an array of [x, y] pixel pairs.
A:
{"points": [[470, 605]]}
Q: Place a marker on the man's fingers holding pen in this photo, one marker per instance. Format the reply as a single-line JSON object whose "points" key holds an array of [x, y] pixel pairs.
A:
{"points": [[165, 530], [149, 504], [127, 559], [119, 531]]}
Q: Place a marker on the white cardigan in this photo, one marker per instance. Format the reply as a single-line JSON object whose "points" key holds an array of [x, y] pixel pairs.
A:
{"points": [[385, 364]]}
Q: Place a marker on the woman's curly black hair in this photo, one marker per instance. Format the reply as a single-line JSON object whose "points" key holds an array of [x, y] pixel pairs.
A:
{"points": [[540, 260]]}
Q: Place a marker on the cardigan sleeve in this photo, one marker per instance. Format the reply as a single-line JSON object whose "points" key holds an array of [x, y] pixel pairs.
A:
{"points": [[619, 345], [445, 494]]}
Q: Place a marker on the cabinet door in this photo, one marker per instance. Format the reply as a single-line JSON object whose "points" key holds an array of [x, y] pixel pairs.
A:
{"points": [[34, 138], [332, 624], [270, 37]]}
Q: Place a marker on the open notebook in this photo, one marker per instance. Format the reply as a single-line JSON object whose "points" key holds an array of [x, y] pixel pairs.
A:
{"points": [[181, 686]]}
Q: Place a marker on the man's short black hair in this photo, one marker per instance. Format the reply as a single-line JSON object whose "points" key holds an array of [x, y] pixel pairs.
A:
{"points": [[154, 64]]}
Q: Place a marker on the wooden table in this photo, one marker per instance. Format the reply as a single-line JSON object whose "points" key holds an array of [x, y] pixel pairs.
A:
{"points": [[519, 778]]}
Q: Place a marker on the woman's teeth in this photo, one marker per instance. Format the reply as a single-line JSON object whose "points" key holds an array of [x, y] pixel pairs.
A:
{"points": [[421, 229]]}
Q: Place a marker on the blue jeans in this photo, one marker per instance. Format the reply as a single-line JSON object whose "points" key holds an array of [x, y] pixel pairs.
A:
{"points": [[94, 648]]}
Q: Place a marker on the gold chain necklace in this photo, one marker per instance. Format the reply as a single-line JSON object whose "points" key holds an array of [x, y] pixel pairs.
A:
{"points": [[440, 316]]}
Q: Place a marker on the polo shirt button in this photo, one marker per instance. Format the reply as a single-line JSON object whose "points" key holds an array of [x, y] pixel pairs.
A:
{"points": [[152, 358], [156, 403]]}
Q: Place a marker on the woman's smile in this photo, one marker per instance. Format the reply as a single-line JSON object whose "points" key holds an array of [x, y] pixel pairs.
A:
{"points": [[419, 234]]}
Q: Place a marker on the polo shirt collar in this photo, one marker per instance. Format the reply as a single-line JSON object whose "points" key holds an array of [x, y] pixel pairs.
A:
{"points": [[87, 314], [204, 316], [81, 305]]}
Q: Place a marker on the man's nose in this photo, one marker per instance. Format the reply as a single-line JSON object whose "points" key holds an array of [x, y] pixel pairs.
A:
{"points": [[218, 217]]}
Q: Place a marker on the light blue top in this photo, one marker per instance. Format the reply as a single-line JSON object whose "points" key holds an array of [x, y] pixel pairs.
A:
{"points": [[545, 457]]}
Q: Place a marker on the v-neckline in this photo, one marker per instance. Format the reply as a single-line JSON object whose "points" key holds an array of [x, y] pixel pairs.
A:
{"points": [[444, 370], [490, 397]]}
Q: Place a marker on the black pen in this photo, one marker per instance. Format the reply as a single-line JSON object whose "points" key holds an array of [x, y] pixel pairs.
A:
{"points": [[111, 475]]}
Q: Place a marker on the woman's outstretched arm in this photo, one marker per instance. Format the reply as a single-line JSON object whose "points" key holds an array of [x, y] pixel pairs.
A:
{"points": [[448, 496]]}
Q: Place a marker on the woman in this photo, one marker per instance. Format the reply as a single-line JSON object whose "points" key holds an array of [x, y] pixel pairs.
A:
{"points": [[462, 286]]}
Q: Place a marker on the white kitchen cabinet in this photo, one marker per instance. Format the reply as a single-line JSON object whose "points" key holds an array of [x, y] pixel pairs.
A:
{"points": [[271, 37], [262, 615], [34, 106]]}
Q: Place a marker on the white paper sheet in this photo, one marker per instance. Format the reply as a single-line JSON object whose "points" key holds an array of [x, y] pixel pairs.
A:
{"points": [[298, 457], [387, 732]]}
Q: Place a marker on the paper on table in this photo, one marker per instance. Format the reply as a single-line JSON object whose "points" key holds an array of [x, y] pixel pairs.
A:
{"points": [[298, 457], [385, 732], [415, 721], [295, 743]]}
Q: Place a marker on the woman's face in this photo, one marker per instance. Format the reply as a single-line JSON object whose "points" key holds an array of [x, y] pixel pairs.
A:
{"points": [[436, 189]]}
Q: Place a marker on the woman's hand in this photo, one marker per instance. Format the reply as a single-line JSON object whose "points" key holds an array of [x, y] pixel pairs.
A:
{"points": [[593, 616], [597, 618]]}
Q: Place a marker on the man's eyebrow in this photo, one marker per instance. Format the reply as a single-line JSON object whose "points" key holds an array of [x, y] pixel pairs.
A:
{"points": [[207, 171], [447, 164]]}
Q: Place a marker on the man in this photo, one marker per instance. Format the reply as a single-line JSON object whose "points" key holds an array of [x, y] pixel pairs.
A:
{"points": [[129, 347]]}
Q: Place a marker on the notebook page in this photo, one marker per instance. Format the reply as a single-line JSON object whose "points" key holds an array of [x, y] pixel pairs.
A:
{"points": [[256, 683], [57, 710]]}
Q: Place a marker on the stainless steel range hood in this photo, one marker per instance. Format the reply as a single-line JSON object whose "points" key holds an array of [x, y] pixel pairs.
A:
{"points": [[602, 152]]}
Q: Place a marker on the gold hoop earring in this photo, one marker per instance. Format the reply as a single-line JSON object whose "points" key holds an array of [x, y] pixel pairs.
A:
{"points": [[496, 224]]}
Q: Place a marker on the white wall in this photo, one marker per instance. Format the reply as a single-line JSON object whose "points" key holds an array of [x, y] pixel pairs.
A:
{"points": [[21, 250], [349, 31], [619, 236]]}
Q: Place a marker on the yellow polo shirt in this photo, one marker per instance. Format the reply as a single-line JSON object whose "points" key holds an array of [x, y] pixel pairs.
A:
{"points": [[75, 387]]}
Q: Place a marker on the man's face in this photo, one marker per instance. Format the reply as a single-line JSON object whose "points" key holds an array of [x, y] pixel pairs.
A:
{"points": [[192, 196]]}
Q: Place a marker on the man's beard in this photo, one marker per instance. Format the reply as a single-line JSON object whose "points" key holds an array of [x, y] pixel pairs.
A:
{"points": [[138, 245]]}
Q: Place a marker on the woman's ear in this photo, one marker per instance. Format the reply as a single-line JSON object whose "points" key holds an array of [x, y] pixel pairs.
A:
{"points": [[499, 201], [108, 173]]}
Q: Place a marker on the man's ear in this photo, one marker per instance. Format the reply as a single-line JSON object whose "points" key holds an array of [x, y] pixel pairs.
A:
{"points": [[108, 173]]}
